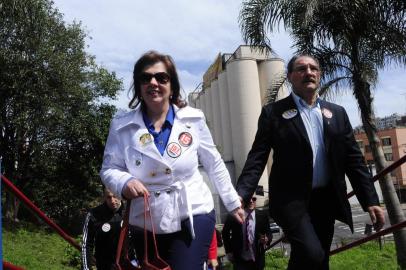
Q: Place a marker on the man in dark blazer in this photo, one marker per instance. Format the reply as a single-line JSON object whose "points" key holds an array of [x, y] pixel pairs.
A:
{"points": [[236, 238], [313, 149]]}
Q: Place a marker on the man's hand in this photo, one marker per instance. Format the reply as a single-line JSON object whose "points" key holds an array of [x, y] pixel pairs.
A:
{"points": [[263, 239], [213, 263], [377, 217], [238, 214], [230, 257], [134, 188]]}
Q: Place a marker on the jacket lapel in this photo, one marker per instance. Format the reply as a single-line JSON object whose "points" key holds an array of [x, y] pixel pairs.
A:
{"points": [[296, 119], [327, 115], [142, 140]]}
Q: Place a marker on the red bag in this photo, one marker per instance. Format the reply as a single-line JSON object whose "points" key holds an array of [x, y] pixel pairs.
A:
{"points": [[123, 263]]}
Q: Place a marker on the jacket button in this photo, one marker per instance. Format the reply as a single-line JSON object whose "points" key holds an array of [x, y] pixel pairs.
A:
{"points": [[168, 171]]}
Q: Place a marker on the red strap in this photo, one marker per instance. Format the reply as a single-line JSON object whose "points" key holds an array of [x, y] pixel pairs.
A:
{"points": [[146, 208], [123, 234]]}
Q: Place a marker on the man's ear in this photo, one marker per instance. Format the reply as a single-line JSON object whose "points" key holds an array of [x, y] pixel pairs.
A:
{"points": [[288, 77]]}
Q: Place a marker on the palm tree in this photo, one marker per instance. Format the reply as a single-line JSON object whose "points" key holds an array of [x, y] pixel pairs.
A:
{"points": [[352, 39]]}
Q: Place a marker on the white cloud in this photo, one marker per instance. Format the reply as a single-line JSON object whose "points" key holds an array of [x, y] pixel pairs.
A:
{"points": [[193, 33]]}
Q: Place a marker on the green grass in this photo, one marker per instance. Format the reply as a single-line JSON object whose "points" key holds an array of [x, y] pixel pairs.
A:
{"points": [[367, 256], [33, 248]]}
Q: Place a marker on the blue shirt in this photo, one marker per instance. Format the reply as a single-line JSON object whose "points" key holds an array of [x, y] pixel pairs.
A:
{"points": [[161, 138], [313, 122]]}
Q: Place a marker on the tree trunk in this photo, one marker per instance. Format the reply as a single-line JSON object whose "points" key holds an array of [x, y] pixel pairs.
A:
{"points": [[363, 95], [11, 207]]}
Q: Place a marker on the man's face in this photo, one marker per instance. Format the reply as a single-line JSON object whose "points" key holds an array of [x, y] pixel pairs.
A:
{"points": [[252, 203], [112, 202], [305, 76]]}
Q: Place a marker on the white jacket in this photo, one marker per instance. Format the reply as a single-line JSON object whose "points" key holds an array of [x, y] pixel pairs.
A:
{"points": [[177, 188]]}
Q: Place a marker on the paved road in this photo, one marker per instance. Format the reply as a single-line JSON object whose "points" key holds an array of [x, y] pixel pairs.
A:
{"points": [[343, 233]]}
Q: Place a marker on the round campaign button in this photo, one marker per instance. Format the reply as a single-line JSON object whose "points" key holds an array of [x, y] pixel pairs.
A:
{"points": [[106, 227], [145, 139], [289, 114], [327, 113], [173, 150], [185, 139]]}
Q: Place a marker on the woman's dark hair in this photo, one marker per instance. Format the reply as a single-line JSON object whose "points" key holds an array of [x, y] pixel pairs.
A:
{"points": [[148, 59]]}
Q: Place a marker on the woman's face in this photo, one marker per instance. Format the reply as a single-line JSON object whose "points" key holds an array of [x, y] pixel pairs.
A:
{"points": [[155, 85]]}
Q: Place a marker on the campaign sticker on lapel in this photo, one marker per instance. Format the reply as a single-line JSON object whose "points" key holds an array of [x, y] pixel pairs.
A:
{"points": [[185, 139], [173, 150], [145, 139], [106, 227], [289, 114], [327, 113]]}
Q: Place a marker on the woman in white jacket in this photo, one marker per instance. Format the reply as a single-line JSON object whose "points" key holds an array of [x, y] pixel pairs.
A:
{"points": [[155, 150]]}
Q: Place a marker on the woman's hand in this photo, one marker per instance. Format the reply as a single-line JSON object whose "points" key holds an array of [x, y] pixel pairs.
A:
{"points": [[134, 188], [238, 214]]}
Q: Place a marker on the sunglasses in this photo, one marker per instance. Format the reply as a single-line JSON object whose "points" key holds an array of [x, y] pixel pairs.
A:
{"points": [[160, 77]]}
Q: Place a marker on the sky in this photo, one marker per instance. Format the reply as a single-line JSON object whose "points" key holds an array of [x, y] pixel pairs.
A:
{"points": [[193, 33]]}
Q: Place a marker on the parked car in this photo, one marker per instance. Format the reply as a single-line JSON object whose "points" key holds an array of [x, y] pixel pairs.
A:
{"points": [[274, 228]]}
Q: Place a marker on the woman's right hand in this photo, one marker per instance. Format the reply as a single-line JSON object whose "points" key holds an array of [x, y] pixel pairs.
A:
{"points": [[134, 188], [238, 214]]}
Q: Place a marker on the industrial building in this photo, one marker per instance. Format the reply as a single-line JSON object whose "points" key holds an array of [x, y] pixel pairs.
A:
{"points": [[234, 89]]}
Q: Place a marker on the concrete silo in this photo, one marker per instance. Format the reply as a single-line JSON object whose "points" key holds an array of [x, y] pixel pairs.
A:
{"points": [[202, 102], [209, 108], [197, 103], [226, 134], [245, 108], [192, 98], [271, 71], [235, 88], [215, 100]]}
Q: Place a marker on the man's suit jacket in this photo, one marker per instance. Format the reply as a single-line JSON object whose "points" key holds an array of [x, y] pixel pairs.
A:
{"points": [[280, 127], [233, 237]]}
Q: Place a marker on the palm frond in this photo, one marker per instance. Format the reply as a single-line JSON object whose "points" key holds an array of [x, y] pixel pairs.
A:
{"points": [[325, 88], [274, 88], [252, 21]]}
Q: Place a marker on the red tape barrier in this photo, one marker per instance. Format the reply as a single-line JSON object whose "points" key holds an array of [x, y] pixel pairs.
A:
{"points": [[384, 172], [370, 237], [32, 206], [9, 266]]}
